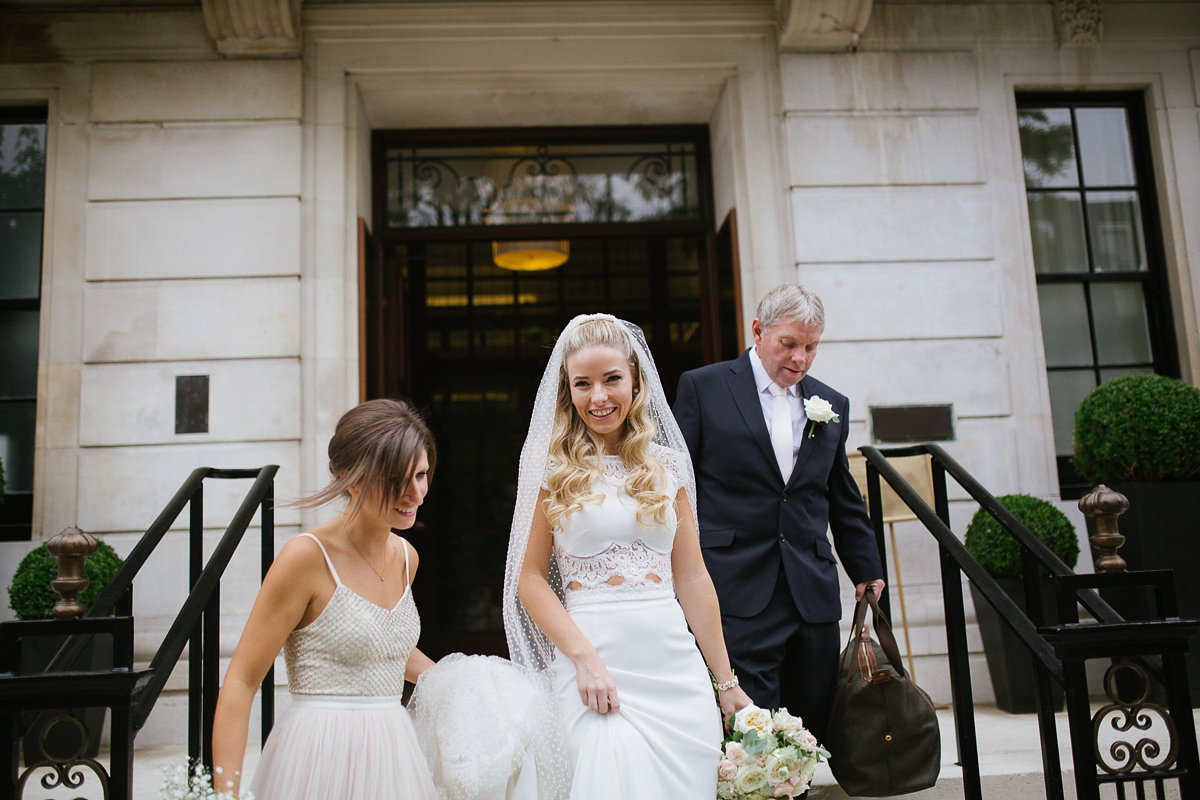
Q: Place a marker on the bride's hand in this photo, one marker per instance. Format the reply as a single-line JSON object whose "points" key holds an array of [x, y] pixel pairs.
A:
{"points": [[596, 686], [733, 700]]}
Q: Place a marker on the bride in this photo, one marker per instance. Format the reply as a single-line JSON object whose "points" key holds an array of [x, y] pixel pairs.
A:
{"points": [[605, 575]]}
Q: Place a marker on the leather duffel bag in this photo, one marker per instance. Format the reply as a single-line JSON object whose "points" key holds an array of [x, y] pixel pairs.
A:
{"points": [[883, 735]]}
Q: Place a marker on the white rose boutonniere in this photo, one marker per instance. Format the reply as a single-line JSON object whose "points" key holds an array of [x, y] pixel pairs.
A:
{"points": [[819, 412]]}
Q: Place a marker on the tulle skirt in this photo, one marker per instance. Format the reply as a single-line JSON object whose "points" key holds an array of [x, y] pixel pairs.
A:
{"points": [[343, 748], [664, 743]]}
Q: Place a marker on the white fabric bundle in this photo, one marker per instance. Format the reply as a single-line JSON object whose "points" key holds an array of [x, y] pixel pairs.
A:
{"points": [[490, 730]]}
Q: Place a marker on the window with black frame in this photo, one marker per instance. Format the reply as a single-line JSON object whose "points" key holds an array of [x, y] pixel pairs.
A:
{"points": [[22, 200], [1097, 250]]}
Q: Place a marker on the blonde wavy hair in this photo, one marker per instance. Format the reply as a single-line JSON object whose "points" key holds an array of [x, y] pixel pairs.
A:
{"points": [[575, 448]]}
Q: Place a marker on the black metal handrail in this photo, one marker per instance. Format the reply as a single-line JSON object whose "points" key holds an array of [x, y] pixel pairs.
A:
{"points": [[1048, 659], [954, 560], [938, 525], [197, 625], [203, 604]]}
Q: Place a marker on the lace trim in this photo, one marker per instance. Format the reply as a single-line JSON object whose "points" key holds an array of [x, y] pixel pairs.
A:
{"points": [[635, 562]]}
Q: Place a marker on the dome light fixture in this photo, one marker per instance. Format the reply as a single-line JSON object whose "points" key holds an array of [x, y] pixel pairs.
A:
{"points": [[531, 256]]}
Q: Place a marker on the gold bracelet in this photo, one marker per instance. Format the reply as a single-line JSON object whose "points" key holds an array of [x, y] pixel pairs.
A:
{"points": [[727, 685]]}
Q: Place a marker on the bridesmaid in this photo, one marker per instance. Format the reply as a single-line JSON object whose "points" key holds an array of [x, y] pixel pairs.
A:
{"points": [[338, 602]]}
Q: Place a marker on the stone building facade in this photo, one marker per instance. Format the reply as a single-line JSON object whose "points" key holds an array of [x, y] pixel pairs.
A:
{"points": [[207, 165]]}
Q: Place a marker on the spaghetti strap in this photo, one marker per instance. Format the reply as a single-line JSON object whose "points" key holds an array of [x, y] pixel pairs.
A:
{"points": [[329, 563], [404, 544]]}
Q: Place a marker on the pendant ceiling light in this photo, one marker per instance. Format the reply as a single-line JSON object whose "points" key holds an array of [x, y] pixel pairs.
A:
{"points": [[530, 256]]}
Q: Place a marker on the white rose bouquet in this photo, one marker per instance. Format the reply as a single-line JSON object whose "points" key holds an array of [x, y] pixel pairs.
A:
{"points": [[767, 755], [182, 783]]}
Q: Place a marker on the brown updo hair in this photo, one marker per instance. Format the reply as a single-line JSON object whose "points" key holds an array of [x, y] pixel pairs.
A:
{"points": [[375, 446]]}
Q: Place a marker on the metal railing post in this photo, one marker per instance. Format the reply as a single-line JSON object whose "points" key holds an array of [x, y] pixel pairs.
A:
{"points": [[1079, 719], [267, 558], [956, 646], [195, 640], [875, 507], [120, 765], [212, 676]]}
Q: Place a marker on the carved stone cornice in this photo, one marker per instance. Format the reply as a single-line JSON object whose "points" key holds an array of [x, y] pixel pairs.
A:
{"points": [[254, 27], [822, 24], [1080, 23]]}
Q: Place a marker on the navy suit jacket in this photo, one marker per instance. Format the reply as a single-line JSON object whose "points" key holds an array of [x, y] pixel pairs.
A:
{"points": [[750, 519]]}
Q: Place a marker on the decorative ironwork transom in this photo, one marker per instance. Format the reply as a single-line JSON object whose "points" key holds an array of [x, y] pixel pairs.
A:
{"points": [[430, 187]]}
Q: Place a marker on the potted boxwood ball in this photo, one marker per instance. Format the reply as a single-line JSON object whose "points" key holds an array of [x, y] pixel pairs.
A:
{"points": [[1140, 435], [31, 597], [1009, 661]]}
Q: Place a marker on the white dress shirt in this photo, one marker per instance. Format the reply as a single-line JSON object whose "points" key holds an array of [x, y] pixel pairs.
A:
{"points": [[795, 402]]}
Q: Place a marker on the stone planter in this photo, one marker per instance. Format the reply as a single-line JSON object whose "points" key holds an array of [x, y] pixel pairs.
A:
{"points": [[1162, 531], [1010, 663], [62, 740]]}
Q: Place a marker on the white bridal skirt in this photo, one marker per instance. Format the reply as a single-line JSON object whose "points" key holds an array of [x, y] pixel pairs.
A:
{"points": [[343, 748], [490, 731], [664, 743]]}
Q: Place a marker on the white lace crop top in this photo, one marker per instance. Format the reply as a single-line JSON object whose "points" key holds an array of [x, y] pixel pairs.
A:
{"points": [[604, 554]]}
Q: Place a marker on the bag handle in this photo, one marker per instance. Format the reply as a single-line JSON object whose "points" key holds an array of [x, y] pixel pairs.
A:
{"points": [[883, 629], [887, 639]]}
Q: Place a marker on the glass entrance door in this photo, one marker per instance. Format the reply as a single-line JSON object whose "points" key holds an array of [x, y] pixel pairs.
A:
{"points": [[467, 340]]}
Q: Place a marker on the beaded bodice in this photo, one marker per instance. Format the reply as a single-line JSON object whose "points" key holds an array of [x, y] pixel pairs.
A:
{"points": [[354, 647], [605, 554]]}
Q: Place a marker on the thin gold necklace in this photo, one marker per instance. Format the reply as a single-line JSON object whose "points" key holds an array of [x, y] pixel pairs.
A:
{"points": [[365, 561]]}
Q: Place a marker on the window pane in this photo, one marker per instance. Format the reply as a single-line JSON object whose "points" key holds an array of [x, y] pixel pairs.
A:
{"points": [[18, 353], [587, 257], [446, 294], [537, 290], [628, 255], [1115, 221], [1047, 147], [1065, 325], [579, 292], [1067, 390], [492, 293], [22, 165], [20, 255], [1119, 314], [1104, 146], [1056, 227], [17, 422]]}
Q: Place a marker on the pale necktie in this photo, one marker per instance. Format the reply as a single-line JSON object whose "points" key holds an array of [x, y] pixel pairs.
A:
{"points": [[781, 430]]}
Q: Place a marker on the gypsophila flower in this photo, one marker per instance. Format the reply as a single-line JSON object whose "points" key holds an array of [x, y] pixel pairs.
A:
{"points": [[181, 782]]}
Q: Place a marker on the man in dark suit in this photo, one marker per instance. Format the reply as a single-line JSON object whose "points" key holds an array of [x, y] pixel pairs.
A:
{"points": [[768, 443]]}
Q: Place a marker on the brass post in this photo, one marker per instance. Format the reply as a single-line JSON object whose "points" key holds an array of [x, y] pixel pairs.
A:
{"points": [[70, 549], [1104, 506]]}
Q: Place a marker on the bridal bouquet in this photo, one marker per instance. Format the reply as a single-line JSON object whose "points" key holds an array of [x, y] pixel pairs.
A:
{"points": [[181, 783], [767, 755]]}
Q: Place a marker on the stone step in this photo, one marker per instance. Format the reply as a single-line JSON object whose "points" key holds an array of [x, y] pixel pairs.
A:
{"points": [[1009, 756]]}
